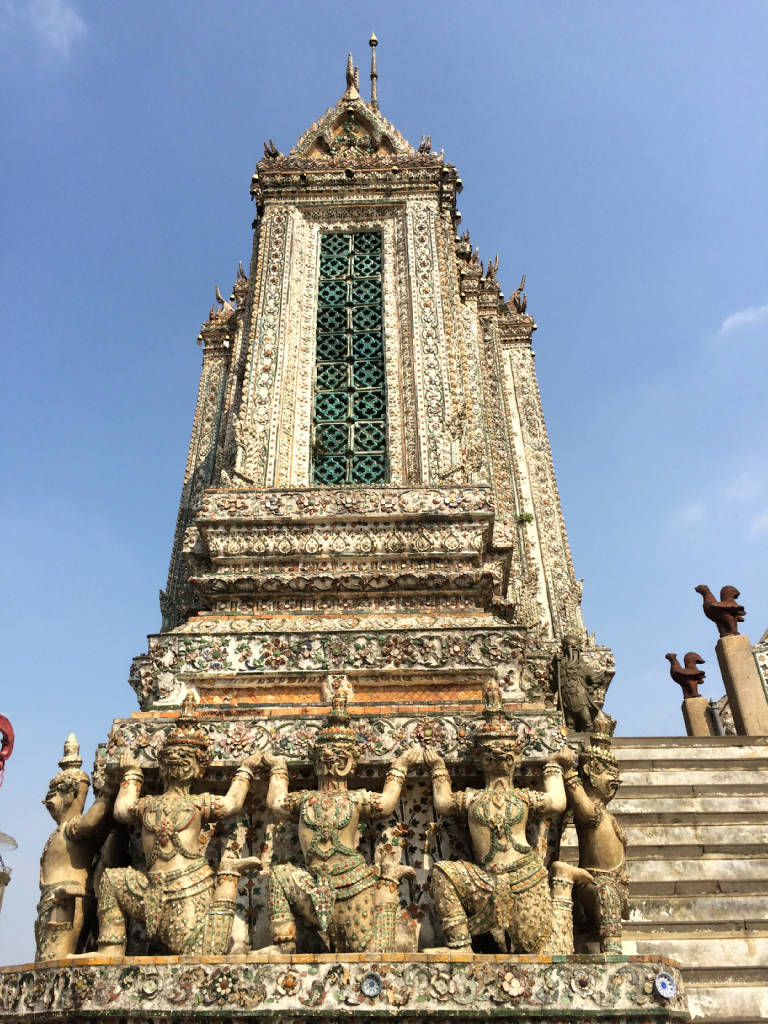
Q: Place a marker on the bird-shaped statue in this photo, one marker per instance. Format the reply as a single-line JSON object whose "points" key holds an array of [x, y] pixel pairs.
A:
{"points": [[726, 613], [689, 677], [270, 150]]}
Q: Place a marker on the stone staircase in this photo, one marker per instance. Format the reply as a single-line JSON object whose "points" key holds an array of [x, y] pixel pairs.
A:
{"points": [[696, 814]]}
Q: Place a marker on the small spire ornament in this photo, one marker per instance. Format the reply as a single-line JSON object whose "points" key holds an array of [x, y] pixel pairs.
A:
{"points": [[71, 761]]}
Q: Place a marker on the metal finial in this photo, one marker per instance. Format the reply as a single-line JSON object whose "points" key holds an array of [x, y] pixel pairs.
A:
{"points": [[373, 42]]}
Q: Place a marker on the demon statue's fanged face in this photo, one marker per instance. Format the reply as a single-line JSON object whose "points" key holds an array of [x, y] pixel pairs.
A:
{"points": [[498, 755], [181, 763], [336, 759], [63, 790], [602, 777]]}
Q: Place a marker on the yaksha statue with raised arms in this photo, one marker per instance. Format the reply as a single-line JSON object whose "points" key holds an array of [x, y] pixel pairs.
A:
{"points": [[604, 893], [178, 898], [65, 866], [352, 903], [506, 893]]}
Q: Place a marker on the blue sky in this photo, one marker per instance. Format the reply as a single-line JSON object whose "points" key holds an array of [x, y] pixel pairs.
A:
{"points": [[615, 153]]}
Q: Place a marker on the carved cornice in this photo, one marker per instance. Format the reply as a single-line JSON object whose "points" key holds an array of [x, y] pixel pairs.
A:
{"points": [[412, 577], [515, 327], [235, 735], [311, 541], [177, 659], [242, 543], [340, 503], [318, 987]]}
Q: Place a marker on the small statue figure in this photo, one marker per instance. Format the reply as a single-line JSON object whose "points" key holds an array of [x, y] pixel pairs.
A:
{"points": [[338, 892], [178, 897], [726, 613], [506, 893], [573, 673], [690, 677], [604, 892], [65, 866]]}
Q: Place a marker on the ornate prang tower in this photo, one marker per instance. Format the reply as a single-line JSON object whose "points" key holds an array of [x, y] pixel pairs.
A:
{"points": [[370, 584], [369, 487]]}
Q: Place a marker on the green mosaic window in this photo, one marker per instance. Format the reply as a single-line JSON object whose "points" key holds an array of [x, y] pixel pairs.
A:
{"points": [[350, 418]]}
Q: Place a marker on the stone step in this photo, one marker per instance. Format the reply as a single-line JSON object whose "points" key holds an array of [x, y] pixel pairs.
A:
{"points": [[671, 931], [694, 812], [745, 753], [698, 876], [723, 747], [726, 953], [727, 780], [692, 761], [682, 793], [746, 911], [746, 976], [736, 805], [727, 1004], [649, 838]]}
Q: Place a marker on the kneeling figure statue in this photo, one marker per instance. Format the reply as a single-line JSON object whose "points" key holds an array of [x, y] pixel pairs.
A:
{"points": [[353, 904], [65, 866], [506, 893], [182, 903], [604, 890]]}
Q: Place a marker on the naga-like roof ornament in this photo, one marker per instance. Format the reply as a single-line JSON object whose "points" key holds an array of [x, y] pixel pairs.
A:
{"points": [[353, 131]]}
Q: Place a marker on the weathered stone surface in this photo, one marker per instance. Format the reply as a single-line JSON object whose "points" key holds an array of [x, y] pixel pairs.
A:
{"points": [[696, 716], [692, 952], [730, 870], [695, 780], [743, 684], [651, 749], [704, 911], [662, 839], [739, 1005], [698, 806]]}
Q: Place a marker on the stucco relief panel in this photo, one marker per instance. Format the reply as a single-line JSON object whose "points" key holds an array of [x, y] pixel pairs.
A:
{"points": [[468, 438], [430, 341], [252, 428], [565, 592]]}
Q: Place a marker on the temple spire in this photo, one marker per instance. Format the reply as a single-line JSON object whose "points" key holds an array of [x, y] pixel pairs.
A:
{"points": [[373, 42]]}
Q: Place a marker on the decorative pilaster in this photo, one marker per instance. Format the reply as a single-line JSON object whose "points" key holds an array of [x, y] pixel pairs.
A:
{"points": [[217, 336]]}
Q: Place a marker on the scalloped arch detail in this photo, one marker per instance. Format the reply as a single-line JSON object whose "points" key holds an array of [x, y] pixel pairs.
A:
{"points": [[351, 130]]}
